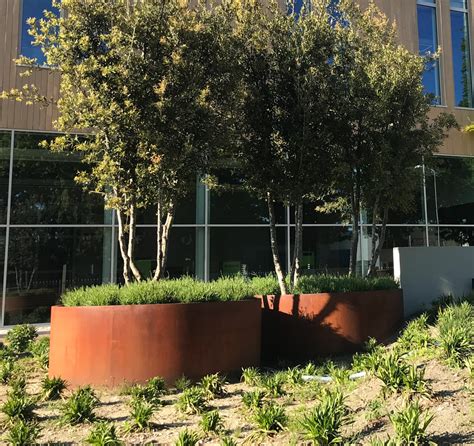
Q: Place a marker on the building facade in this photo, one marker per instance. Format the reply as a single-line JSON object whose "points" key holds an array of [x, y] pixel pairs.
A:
{"points": [[53, 236]]}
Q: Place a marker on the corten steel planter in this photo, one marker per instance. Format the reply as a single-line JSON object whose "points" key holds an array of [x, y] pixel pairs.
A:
{"points": [[110, 345], [309, 325]]}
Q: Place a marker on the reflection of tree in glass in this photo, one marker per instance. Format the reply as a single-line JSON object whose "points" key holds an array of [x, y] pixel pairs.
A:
{"points": [[4, 172], [465, 72]]}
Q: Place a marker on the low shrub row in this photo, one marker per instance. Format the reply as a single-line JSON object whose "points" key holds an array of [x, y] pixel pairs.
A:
{"points": [[187, 290]]}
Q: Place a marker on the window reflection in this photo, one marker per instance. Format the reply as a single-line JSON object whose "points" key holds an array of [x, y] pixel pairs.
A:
{"points": [[4, 173]]}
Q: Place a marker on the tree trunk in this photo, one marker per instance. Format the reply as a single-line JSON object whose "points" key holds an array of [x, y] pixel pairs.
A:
{"points": [[375, 216], [162, 234], [355, 206], [131, 244], [274, 246], [381, 241], [122, 244], [298, 246]]}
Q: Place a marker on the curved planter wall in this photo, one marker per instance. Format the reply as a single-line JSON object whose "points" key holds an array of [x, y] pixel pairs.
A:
{"points": [[110, 345], [308, 325]]}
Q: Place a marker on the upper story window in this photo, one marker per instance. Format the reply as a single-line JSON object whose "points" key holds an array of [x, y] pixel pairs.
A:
{"points": [[461, 53], [428, 44], [33, 8]]}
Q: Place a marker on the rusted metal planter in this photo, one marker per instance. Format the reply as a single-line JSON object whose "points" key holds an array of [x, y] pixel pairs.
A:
{"points": [[111, 345], [309, 325]]}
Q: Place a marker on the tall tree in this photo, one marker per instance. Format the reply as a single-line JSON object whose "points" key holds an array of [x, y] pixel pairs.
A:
{"points": [[146, 82], [283, 148]]}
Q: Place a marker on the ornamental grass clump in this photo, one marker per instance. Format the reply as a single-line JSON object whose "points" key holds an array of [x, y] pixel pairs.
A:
{"points": [[251, 376], [274, 384], [52, 388], [39, 348], [150, 392], [22, 433], [141, 412], [19, 405], [187, 438], [96, 295], [415, 336], [192, 401], [254, 399], [212, 386], [80, 406], [211, 422], [270, 418], [410, 424], [103, 434], [323, 424]]}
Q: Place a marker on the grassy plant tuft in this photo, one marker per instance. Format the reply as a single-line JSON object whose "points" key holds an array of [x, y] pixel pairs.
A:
{"points": [[103, 434], [22, 433], [80, 406], [52, 388]]}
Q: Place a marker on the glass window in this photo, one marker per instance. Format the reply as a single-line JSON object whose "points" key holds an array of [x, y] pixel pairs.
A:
{"points": [[236, 206], [44, 190], [243, 250], [5, 138], [428, 44], [461, 54], [33, 8], [43, 262]]}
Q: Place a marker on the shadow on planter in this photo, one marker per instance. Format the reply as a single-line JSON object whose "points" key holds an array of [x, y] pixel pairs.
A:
{"points": [[310, 325], [111, 345]]}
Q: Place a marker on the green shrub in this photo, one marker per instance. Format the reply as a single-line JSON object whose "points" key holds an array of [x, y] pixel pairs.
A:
{"points": [[410, 425], [266, 285], [192, 401], [141, 412], [294, 376], [211, 421], [274, 383], [251, 376], [212, 386], [187, 438], [18, 405], [39, 348], [20, 337], [52, 388], [79, 408], [182, 383], [92, 296], [7, 368], [22, 433], [253, 400], [151, 391], [103, 434], [416, 335], [323, 424], [270, 418]]}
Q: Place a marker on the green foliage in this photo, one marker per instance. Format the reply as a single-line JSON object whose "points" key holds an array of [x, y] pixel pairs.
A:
{"points": [[323, 424], [192, 401], [212, 386], [370, 359], [274, 384], [410, 425], [52, 388], [17, 384], [80, 406], [270, 418], [141, 412], [39, 348], [456, 332], [228, 441], [7, 369], [254, 399], [211, 421], [150, 392], [187, 438], [19, 405], [374, 410], [187, 289], [416, 335], [326, 283], [103, 434], [182, 383], [251, 376], [294, 376], [20, 337], [22, 433], [397, 375]]}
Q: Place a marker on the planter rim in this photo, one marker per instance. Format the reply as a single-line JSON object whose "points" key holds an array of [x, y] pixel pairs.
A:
{"points": [[155, 304]]}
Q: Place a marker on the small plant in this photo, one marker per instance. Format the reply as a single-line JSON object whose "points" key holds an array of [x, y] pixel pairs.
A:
{"points": [[370, 359], [323, 424], [52, 388], [374, 410], [212, 386], [20, 337], [150, 392], [416, 335], [410, 425], [17, 385], [187, 438], [182, 383], [103, 434], [19, 405], [253, 400], [22, 433], [270, 418], [7, 369], [251, 376], [211, 421], [140, 413], [415, 381], [294, 376], [192, 401], [273, 384], [79, 408], [39, 348]]}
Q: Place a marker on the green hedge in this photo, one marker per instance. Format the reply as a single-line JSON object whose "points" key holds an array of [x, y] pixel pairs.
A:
{"points": [[187, 290]]}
